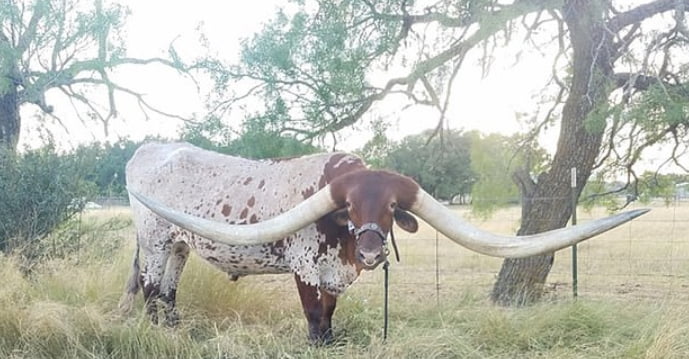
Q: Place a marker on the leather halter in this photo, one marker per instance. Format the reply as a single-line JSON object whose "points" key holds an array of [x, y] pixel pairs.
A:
{"points": [[374, 227], [367, 227]]}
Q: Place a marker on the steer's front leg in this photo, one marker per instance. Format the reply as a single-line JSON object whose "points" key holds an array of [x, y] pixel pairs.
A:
{"points": [[318, 310]]}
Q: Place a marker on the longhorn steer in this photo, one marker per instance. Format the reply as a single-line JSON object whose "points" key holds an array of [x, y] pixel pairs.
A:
{"points": [[322, 217]]}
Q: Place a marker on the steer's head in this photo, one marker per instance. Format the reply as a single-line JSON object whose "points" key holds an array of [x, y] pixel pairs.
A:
{"points": [[370, 202]]}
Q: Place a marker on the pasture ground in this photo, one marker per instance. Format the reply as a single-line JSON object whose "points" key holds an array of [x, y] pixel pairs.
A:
{"points": [[633, 296]]}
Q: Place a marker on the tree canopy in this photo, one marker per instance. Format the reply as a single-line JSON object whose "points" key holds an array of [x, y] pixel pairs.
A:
{"points": [[441, 165], [70, 48], [257, 139], [500, 162]]}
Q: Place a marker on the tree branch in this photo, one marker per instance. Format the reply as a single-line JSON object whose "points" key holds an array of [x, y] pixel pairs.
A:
{"points": [[642, 12], [641, 82], [28, 35]]}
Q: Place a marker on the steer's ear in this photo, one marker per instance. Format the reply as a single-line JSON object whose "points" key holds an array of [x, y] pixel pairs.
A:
{"points": [[341, 217], [406, 221]]}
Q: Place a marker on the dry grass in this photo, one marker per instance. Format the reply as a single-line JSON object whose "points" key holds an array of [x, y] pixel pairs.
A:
{"points": [[633, 304]]}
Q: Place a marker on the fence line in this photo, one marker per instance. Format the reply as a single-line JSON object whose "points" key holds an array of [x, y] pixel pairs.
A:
{"points": [[647, 258]]}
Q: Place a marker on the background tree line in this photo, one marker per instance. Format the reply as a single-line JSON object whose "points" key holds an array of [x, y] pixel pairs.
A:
{"points": [[42, 189]]}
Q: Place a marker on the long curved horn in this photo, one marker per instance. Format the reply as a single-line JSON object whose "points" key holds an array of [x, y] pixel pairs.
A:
{"points": [[305, 213], [471, 237]]}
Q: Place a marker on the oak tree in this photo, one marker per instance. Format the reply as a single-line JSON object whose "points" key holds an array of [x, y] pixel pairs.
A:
{"points": [[70, 48]]}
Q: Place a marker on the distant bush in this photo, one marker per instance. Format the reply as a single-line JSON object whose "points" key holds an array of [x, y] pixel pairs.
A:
{"points": [[84, 238], [39, 191]]}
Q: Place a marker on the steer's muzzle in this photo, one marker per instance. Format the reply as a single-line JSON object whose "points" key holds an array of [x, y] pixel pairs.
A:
{"points": [[371, 250], [371, 259]]}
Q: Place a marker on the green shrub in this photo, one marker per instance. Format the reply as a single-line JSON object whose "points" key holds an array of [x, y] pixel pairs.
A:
{"points": [[39, 191]]}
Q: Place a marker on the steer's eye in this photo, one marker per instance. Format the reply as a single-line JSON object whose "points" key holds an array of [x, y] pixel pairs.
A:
{"points": [[348, 204], [393, 205]]}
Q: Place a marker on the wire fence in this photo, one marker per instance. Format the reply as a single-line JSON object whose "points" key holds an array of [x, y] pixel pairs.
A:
{"points": [[647, 258]]}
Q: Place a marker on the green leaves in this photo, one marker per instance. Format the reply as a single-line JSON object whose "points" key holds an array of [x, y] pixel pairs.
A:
{"points": [[260, 137], [441, 165], [316, 61], [661, 106], [496, 159]]}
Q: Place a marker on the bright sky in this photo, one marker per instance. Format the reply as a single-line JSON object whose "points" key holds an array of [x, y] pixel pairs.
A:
{"points": [[488, 105]]}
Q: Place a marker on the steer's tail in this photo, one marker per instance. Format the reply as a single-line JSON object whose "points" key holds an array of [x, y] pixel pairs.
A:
{"points": [[133, 285]]}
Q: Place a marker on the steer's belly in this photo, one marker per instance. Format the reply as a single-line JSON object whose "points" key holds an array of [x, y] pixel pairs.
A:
{"points": [[242, 260]]}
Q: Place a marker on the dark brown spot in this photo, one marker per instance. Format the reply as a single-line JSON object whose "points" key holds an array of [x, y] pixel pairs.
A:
{"points": [[253, 219], [245, 212], [248, 180], [278, 249], [251, 201], [283, 159], [308, 192], [218, 202], [261, 184], [208, 246], [226, 210]]}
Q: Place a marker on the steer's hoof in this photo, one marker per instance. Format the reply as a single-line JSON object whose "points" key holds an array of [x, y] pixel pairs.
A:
{"points": [[321, 339]]}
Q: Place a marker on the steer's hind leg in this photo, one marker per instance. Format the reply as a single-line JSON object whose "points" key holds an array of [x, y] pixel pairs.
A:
{"points": [[152, 275], [319, 307], [168, 288]]}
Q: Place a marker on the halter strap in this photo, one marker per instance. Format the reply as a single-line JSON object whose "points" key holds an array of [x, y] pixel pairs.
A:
{"points": [[373, 227]]}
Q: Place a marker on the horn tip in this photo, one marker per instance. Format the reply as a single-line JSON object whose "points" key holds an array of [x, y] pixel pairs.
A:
{"points": [[638, 212]]}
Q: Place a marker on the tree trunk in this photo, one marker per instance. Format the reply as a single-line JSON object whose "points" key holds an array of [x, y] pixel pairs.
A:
{"points": [[10, 122], [547, 200]]}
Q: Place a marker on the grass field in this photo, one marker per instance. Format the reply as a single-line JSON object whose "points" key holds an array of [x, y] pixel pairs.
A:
{"points": [[632, 303]]}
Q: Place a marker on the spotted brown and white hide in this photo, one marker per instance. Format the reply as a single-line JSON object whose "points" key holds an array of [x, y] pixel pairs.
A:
{"points": [[239, 191]]}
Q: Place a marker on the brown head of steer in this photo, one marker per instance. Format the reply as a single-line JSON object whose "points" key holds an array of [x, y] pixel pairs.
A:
{"points": [[322, 217]]}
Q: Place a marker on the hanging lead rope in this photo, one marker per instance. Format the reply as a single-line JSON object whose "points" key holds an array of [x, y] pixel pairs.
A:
{"points": [[376, 228], [386, 265], [394, 245]]}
